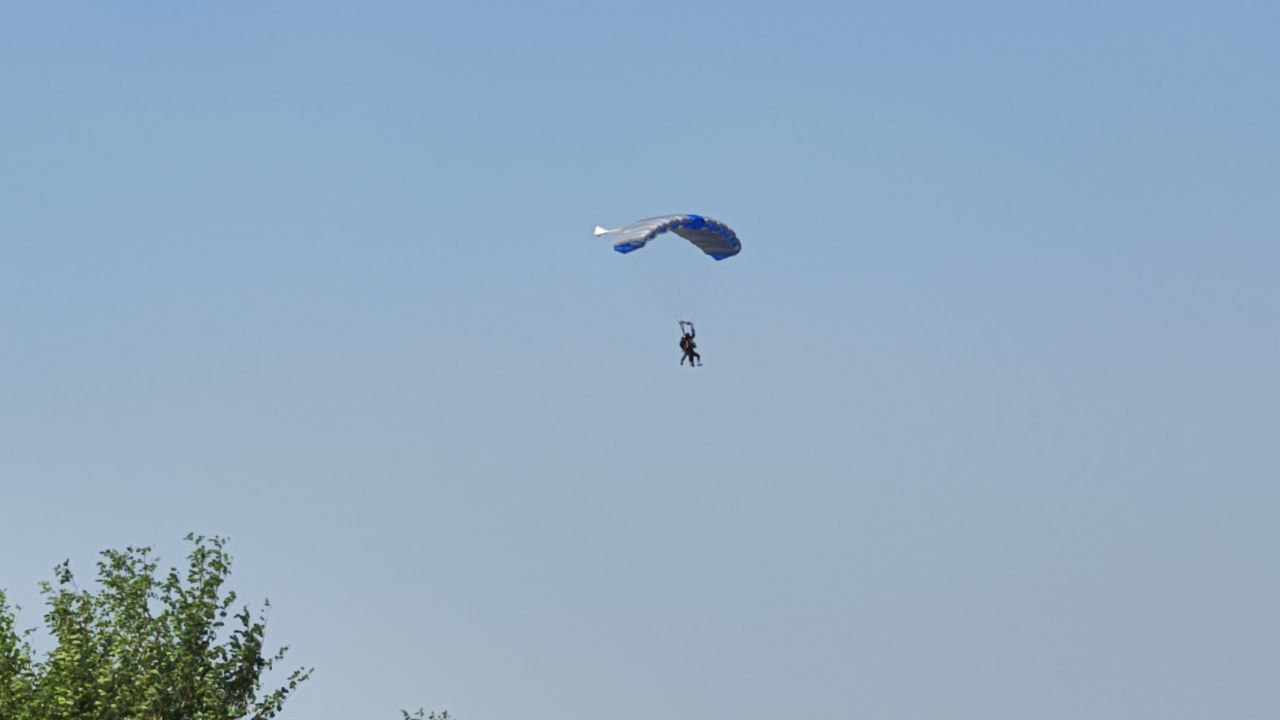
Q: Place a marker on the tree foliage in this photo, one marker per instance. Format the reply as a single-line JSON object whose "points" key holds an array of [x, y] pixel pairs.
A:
{"points": [[422, 715], [143, 646]]}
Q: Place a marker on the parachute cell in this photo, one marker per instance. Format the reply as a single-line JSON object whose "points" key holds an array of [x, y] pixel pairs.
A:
{"points": [[712, 237]]}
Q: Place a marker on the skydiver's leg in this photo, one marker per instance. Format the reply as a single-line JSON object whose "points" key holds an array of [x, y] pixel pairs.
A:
{"points": [[695, 358]]}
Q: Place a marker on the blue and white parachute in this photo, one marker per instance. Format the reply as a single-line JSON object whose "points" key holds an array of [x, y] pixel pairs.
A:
{"points": [[713, 238]]}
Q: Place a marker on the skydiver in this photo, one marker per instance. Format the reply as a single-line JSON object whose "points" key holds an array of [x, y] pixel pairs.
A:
{"points": [[688, 345]]}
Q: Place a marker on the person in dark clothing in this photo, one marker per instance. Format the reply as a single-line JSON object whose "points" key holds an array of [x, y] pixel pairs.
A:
{"points": [[688, 345]]}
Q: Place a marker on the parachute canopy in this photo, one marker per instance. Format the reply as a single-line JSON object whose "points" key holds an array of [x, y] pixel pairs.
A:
{"points": [[713, 238]]}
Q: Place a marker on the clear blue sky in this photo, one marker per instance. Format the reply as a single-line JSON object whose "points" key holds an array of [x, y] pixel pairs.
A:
{"points": [[988, 422]]}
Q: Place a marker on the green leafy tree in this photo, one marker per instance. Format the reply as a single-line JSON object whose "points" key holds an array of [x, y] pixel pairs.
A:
{"points": [[422, 715], [143, 646]]}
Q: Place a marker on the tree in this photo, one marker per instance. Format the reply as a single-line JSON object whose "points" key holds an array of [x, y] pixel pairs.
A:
{"points": [[142, 646]]}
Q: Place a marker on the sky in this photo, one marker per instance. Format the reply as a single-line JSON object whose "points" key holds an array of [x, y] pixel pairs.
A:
{"points": [[987, 426]]}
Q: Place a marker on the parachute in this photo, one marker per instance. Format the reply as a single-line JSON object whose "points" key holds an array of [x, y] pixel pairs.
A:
{"points": [[712, 237]]}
